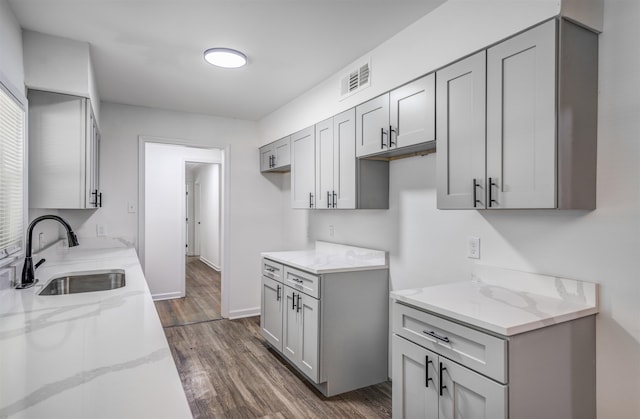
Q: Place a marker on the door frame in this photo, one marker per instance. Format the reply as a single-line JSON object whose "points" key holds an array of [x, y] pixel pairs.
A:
{"points": [[224, 207]]}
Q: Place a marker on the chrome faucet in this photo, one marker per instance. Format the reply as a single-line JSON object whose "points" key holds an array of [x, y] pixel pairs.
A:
{"points": [[28, 270]]}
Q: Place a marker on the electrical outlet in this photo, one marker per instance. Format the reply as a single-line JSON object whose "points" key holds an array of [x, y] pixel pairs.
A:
{"points": [[473, 247], [331, 230], [101, 230]]}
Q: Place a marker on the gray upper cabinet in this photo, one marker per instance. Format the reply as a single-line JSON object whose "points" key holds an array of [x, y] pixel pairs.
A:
{"points": [[541, 113], [303, 169], [521, 110], [399, 122], [342, 180], [276, 157], [461, 96], [64, 152]]}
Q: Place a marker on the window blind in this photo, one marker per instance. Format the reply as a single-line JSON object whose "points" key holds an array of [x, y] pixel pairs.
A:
{"points": [[12, 140]]}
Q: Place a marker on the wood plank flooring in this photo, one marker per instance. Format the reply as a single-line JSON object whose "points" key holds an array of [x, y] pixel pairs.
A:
{"points": [[227, 371], [202, 300]]}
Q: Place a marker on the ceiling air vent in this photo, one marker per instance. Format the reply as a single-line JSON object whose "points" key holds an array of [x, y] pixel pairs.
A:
{"points": [[356, 80]]}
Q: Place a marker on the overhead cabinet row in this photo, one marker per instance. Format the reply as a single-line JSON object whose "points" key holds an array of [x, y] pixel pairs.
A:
{"points": [[515, 127], [325, 173]]}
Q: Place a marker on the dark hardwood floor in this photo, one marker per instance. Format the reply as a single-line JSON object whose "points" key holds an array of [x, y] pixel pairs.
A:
{"points": [[202, 300], [227, 371]]}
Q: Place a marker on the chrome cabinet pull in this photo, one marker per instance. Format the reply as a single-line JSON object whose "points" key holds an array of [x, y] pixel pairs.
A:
{"points": [[437, 336], [298, 308]]}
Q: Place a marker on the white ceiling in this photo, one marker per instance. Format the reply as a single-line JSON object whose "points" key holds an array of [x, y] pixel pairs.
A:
{"points": [[149, 52]]}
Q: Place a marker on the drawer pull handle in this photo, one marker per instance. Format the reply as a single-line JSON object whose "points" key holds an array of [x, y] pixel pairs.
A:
{"points": [[270, 269], [278, 293], [437, 336], [299, 281], [442, 386], [426, 371]]}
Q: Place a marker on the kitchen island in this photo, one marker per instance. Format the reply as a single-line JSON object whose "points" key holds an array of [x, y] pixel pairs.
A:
{"points": [[92, 355]]}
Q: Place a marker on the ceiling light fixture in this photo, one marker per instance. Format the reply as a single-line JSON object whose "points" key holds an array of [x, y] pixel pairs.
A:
{"points": [[225, 57]]}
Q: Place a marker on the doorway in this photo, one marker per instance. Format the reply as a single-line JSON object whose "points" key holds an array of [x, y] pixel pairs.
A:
{"points": [[164, 233], [201, 301]]}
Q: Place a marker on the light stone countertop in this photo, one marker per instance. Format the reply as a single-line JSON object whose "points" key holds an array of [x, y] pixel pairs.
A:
{"points": [[91, 355], [506, 302], [331, 257]]}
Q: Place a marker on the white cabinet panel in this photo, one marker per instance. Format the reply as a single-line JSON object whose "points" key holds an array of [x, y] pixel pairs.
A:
{"points": [[309, 318], [345, 182], [276, 157], [303, 169], [521, 124], [325, 163], [461, 96], [290, 326]]}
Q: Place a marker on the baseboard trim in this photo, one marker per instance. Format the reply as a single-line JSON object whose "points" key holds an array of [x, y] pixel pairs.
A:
{"points": [[166, 296], [239, 314], [209, 264]]}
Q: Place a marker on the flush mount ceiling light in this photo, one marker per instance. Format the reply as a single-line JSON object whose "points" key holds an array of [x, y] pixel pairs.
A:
{"points": [[225, 57]]}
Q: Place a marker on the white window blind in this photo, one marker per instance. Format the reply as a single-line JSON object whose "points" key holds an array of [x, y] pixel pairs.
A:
{"points": [[12, 140]]}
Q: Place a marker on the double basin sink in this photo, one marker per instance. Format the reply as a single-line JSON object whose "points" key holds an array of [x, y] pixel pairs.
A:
{"points": [[88, 281]]}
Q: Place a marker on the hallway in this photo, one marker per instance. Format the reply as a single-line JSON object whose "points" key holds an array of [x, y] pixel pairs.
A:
{"points": [[202, 300]]}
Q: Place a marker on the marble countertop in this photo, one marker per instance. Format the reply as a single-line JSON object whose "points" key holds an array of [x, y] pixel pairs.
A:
{"points": [[331, 257], [506, 302], [92, 355]]}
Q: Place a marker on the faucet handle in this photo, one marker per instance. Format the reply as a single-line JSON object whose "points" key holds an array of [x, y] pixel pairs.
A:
{"points": [[40, 262]]}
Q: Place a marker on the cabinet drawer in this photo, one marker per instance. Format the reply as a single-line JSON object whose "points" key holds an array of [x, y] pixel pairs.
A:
{"points": [[272, 269], [302, 281], [479, 351]]}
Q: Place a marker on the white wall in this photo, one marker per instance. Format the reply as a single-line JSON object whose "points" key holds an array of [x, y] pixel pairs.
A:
{"points": [[253, 207], [208, 176], [427, 246]]}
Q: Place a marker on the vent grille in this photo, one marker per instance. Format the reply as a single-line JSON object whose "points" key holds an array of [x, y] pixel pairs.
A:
{"points": [[356, 80]]}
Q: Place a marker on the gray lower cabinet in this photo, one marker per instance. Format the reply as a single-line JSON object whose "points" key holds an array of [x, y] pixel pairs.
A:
{"points": [[444, 369], [534, 111], [64, 152], [331, 327]]}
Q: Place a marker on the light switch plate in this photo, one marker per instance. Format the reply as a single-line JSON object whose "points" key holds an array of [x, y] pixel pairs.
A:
{"points": [[473, 247]]}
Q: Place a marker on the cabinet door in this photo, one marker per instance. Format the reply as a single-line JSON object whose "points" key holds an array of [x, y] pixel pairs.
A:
{"points": [[372, 126], [344, 168], [469, 395], [303, 169], [57, 150], [412, 112], [415, 381], [266, 156], [282, 152], [93, 197], [461, 95], [291, 326], [521, 109], [271, 312], [324, 164], [309, 316]]}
